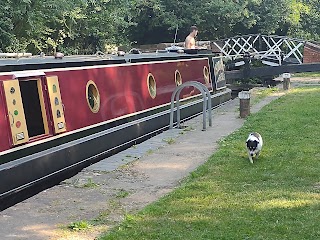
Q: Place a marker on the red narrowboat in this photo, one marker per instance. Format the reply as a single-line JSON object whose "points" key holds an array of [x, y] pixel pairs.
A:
{"points": [[60, 115]]}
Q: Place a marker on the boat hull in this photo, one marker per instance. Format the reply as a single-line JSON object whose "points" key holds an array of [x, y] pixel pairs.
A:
{"points": [[67, 157]]}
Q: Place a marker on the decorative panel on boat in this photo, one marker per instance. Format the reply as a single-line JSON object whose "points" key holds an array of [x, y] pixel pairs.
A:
{"points": [[16, 114], [56, 104], [219, 73]]}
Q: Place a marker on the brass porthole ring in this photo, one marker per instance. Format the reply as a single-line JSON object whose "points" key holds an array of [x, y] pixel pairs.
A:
{"points": [[152, 86], [177, 78], [93, 96], [206, 74]]}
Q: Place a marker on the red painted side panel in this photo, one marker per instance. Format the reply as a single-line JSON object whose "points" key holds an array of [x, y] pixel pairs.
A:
{"points": [[123, 89]]}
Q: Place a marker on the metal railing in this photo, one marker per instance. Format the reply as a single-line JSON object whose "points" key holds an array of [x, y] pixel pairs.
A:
{"points": [[175, 97], [272, 50]]}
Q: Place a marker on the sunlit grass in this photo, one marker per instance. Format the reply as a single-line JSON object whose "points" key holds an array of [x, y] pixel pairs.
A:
{"points": [[80, 225], [277, 197], [261, 94], [307, 74]]}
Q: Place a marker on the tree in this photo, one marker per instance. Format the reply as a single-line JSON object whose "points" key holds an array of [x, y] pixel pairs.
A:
{"points": [[103, 23], [87, 26], [6, 25], [308, 26]]}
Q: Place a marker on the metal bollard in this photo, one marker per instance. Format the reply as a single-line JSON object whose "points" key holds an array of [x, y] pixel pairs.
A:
{"points": [[244, 97], [286, 81]]}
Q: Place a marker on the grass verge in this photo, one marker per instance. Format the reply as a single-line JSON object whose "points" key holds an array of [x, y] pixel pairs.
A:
{"points": [[278, 197], [260, 94], [307, 74]]}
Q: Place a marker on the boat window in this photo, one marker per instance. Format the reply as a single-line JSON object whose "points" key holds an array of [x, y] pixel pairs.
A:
{"points": [[178, 78], [152, 87], [206, 74], [93, 97]]}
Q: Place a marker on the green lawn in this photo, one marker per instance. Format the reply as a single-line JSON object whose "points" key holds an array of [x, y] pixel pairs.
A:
{"points": [[307, 74], [278, 197]]}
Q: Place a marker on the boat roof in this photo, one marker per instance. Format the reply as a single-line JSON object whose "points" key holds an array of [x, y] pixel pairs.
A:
{"points": [[47, 62]]}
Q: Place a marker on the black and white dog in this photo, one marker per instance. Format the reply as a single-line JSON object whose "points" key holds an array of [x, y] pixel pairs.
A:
{"points": [[254, 145]]}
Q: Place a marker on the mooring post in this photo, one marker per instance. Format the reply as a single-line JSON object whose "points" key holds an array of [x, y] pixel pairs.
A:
{"points": [[244, 97], [286, 81]]}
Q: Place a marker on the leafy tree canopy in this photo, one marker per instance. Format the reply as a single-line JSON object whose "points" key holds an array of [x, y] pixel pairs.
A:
{"points": [[86, 26]]}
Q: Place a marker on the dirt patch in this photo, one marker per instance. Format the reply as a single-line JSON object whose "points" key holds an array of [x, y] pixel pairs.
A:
{"points": [[305, 80], [105, 198]]}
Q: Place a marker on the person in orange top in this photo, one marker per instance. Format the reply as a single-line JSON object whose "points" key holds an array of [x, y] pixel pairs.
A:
{"points": [[190, 42]]}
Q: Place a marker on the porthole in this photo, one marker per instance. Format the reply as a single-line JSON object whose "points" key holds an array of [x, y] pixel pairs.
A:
{"points": [[152, 86], [206, 74], [93, 96], [177, 78]]}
